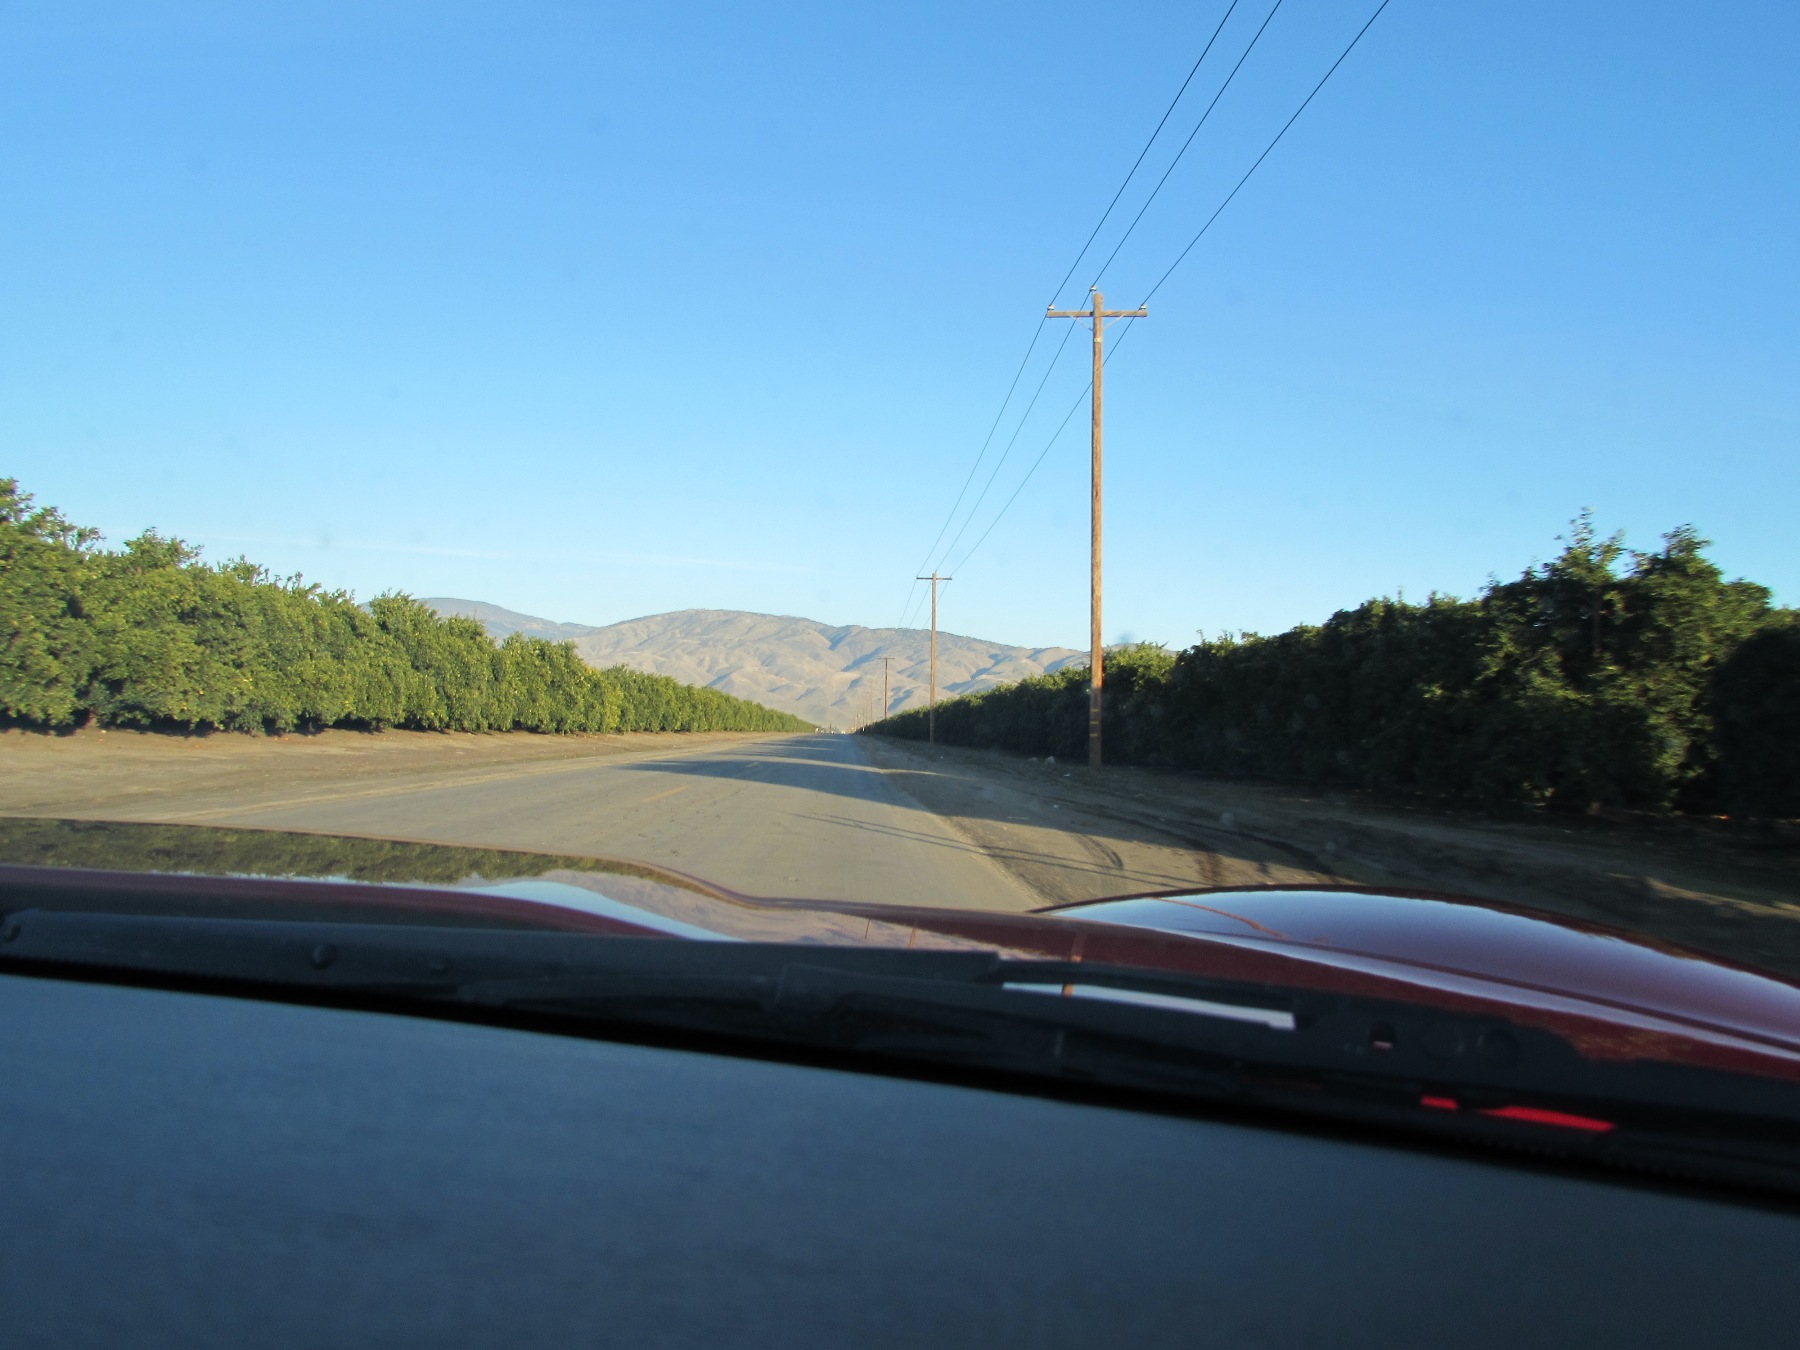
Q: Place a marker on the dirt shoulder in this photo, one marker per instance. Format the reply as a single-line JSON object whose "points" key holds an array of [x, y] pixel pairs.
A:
{"points": [[135, 775], [1073, 835]]}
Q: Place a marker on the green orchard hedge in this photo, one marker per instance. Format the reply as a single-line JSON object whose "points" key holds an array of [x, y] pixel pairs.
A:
{"points": [[150, 636], [1605, 677]]}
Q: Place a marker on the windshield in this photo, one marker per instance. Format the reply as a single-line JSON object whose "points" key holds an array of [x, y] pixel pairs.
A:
{"points": [[1315, 520]]}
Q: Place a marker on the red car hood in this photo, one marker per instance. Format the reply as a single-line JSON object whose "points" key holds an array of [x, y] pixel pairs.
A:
{"points": [[1613, 994], [1467, 949]]}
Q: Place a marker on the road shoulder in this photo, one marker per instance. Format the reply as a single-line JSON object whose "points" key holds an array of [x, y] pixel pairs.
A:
{"points": [[1073, 836]]}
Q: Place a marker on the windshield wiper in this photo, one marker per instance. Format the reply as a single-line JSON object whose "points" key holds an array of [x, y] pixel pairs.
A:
{"points": [[1078, 1026]]}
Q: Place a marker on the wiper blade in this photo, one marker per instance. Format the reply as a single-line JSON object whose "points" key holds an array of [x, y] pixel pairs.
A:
{"points": [[1084, 1025]]}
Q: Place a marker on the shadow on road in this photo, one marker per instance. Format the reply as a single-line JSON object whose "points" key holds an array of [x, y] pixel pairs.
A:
{"points": [[834, 776], [1725, 892], [1119, 878], [839, 766]]}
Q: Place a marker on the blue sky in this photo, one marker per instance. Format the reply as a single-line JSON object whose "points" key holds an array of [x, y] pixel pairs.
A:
{"points": [[596, 311]]}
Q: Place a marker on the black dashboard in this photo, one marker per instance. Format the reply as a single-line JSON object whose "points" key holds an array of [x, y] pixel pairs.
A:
{"points": [[189, 1170]]}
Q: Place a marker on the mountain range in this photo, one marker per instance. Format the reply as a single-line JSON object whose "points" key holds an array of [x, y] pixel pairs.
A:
{"points": [[830, 676]]}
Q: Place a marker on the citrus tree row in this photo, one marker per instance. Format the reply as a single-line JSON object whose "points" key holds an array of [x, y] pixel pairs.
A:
{"points": [[1604, 677], [149, 635]]}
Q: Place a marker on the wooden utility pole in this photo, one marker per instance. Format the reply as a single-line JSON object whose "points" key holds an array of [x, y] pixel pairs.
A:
{"points": [[886, 706], [931, 716], [1097, 673]]}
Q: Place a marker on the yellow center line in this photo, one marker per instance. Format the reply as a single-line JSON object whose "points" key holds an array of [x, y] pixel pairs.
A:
{"points": [[657, 797]]}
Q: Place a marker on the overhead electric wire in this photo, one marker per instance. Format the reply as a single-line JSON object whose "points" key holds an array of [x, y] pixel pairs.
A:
{"points": [[1039, 330], [964, 561], [1056, 435], [1189, 141], [1136, 163], [1037, 393], [906, 609], [1014, 440], [1265, 154]]}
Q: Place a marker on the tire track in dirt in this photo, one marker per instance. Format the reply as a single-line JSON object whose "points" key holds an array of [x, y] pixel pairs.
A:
{"points": [[1071, 835]]}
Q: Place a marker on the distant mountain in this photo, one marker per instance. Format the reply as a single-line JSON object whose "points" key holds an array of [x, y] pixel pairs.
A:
{"points": [[831, 676], [502, 623]]}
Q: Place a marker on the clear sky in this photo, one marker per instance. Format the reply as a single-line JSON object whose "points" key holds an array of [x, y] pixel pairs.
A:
{"points": [[597, 310]]}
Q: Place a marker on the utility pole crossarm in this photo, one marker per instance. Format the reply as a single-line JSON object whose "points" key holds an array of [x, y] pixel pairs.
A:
{"points": [[1139, 313]]}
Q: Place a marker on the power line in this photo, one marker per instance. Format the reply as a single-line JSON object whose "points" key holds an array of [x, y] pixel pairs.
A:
{"points": [[1105, 215], [1023, 417], [1184, 145], [906, 608], [1146, 150], [1001, 462], [1055, 436], [964, 560], [1265, 154]]}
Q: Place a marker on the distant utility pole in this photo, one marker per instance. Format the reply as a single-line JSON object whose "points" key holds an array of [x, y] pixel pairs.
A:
{"points": [[931, 717], [885, 705], [1097, 673]]}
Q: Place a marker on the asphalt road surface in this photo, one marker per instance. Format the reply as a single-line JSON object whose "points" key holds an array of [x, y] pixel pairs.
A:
{"points": [[867, 819], [804, 816]]}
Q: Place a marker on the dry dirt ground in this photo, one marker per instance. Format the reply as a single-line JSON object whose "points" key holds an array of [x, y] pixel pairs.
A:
{"points": [[1060, 832], [134, 775], [1072, 835]]}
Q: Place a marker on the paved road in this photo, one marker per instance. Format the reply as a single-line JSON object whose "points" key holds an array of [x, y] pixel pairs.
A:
{"points": [[803, 816], [842, 817]]}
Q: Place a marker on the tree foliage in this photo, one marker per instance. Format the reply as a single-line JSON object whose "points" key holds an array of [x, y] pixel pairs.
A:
{"points": [[1604, 677], [151, 636], [1756, 709]]}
